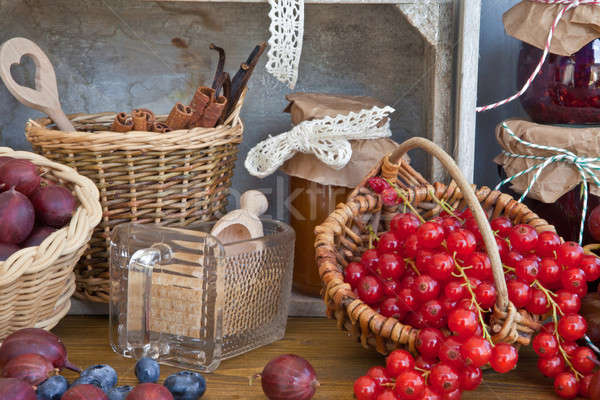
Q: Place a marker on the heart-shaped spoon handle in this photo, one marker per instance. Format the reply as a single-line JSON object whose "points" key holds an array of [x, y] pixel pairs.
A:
{"points": [[45, 95]]}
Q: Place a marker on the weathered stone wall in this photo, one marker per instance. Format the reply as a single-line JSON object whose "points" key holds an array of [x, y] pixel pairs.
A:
{"points": [[114, 55]]}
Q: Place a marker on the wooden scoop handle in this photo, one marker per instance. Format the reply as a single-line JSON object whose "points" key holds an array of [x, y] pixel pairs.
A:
{"points": [[254, 202], [45, 95]]}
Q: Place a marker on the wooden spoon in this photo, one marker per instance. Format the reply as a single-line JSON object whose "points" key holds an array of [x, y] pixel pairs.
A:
{"points": [[242, 224], [45, 95]]}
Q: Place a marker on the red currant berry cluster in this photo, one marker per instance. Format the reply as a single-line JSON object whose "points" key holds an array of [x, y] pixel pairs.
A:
{"points": [[435, 274]]}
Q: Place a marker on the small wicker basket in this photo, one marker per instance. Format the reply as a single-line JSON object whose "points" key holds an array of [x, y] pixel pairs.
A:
{"points": [[36, 283], [344, 235], [172, 179]]}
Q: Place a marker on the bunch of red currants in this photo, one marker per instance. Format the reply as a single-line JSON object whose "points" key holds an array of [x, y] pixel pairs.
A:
{"points": [[436, 276]]}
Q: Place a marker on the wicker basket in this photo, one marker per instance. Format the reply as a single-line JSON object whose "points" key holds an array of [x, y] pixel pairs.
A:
{"points": [[172, 179], [36, 283], [344, 235]]}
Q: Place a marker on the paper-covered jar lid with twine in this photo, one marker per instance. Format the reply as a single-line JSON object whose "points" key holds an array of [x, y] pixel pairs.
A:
{"points": [[544, 162], [334, 141]]}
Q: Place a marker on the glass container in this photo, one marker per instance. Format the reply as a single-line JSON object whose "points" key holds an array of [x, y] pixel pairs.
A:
{"points": [[566, 90], [183, 298], [311, 204]]}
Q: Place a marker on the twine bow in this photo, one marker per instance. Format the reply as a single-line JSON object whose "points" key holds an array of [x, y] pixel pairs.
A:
{"points": [[570, 4], [585, 165], [327, 138]]}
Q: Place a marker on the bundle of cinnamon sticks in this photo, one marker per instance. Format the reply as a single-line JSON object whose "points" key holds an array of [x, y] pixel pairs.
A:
{"points": [[208, 107]]}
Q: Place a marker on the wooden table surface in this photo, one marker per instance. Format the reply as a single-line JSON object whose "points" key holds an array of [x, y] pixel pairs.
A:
{"points": [[338, 360]]}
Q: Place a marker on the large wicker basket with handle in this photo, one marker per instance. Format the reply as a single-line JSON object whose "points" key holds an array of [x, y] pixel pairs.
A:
{"points": [[36, 283], [344, 236], [173, 178]]}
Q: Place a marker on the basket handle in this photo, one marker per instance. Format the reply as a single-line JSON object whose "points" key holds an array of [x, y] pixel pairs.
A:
{"points": [[471, 199]]}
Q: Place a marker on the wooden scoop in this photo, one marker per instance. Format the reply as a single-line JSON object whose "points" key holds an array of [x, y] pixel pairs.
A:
{"points": [[242, 224], [45, 95]]}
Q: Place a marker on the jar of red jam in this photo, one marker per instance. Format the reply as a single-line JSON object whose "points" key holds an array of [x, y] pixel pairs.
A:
{"points": [[566, 90]]}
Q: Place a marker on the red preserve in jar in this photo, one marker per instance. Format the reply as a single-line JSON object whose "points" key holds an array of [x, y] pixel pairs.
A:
{"points": [[566, 90]]}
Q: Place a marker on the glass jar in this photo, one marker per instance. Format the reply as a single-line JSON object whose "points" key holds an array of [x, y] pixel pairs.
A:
{"points": [[311, 204], [566, 90]]}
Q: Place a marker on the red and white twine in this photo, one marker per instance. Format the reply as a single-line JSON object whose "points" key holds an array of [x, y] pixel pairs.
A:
{"points": [[570, 4]]}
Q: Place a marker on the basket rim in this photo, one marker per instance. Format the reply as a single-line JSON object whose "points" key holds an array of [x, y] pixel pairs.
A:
{"points": [[66, 240]]}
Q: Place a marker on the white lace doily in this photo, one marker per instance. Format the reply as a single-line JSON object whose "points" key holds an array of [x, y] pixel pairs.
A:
{"points": [[285, 43], [326, 138]]}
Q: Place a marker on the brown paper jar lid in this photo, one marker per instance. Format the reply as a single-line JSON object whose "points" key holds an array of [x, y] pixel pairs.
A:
{"points": [[530, 22], [365, 153], [559, 177]]}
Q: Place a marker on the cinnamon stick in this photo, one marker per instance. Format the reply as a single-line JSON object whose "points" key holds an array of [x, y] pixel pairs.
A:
{"points": [[150, 115], [122, 123], [160, 127], [202, 98], [179, 117], [212, 113], [241, 78], [140, 120], [223, 82]]}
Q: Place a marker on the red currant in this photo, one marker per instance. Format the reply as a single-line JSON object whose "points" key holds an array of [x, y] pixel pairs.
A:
{"points": [[378, 184], [476, 351], [429, 341], [407, 300], [591, 266], [390, 197], [365, 388], [527, 270], [569, 348], [370, 259], [429, 394], [519, 293], [353, 273], [423, 259], [539, 302], [447, 305], [390, 308], [549, 273], [584, 360], [443, 378], [545, 345], [453, 395], [470, 378], [503, 248], [416, 320], [391, 267], [481, 267], [572, 327], [502, 226], [388, 243], [430, 235], [568, 302], [523, 238], [387, 395], [512, 258], [569, 254], [423, 363], [454, 290], [463, 322], [551, 366], [409, 386], [471, 225], [379, 375], [432, 311], [390, 288], [462, 242], [404, 224], [573, 280], [548, 243], [450, 352], [399, 361], [485, 293], [450, 224], [410, 246], [584, 386], [466, 304], [566, 385], [370, 290], [504, 357], [426, 288], [441, 266]]}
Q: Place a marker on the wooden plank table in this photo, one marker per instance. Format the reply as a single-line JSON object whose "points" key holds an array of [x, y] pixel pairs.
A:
{"points": [[338, 360]]}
